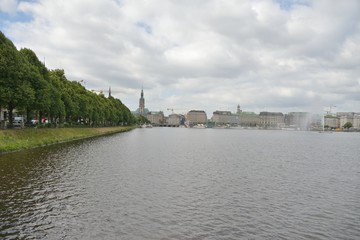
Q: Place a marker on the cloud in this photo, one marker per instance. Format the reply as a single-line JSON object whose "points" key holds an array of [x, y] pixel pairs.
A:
{"points": [[211, 55], [8, 6]]}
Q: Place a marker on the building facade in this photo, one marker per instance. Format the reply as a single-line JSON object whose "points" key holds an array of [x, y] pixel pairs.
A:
{"points": [[351, 117], [272, 119], [225, 117], [331, 121], [356, 121], [174, 120], [194, 117], [156, 118], [249, 119]]}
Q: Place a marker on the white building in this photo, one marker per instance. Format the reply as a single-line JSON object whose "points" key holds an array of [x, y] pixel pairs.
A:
{"points": [[174, 120], [156, 118], [356, 121], [331, 121], [351, 117]]}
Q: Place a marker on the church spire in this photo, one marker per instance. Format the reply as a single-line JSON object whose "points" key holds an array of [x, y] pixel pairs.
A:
{"points": [[142, 103], [238, 109]]}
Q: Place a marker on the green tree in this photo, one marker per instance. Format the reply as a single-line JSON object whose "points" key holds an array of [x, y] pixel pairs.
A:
{"points": [[15, 91], [347, 125], [27, 85], [38, 79], [57, 107]]}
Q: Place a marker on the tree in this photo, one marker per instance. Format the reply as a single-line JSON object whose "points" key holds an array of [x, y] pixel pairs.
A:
{"points": [[27, 85], [347, 125], [37, 75], [15, 90]]}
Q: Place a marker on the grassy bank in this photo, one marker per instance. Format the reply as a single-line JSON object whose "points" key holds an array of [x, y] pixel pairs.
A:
{"points": [[17, 139]]}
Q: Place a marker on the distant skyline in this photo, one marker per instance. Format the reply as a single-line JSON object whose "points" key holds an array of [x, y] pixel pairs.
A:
{"points": [[266, 55]]}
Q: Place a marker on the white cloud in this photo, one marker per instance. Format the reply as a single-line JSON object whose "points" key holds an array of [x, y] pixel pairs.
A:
{"points": [[211, 55], [8, 6]]}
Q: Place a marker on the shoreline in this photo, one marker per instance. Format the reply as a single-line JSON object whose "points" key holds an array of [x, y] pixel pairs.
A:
{"points": [[12, 140]]}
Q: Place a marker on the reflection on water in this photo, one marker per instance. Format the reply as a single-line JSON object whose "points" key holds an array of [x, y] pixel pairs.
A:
{"points": [[165, 183]]}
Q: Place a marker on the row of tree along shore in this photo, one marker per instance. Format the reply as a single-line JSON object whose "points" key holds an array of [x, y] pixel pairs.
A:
{"points": [[39, 93]]}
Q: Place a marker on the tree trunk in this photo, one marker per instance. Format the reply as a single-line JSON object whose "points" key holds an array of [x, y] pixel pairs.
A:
{"points": [[28, 117], [10, 109]]}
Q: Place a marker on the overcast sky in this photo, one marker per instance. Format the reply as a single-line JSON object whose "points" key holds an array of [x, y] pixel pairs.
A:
{"points": [[266, 55]]}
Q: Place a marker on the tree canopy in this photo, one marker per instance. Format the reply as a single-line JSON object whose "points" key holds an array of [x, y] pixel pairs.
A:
{"points": [[348, 125], [37, 92]]}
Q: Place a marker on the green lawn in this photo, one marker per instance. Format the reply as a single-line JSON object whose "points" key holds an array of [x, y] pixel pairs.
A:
{"points": [[16, 139]]}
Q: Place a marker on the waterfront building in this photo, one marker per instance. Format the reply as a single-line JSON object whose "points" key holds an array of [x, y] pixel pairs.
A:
{"points": [[174, 120], [356, 121], [194, 117], [225, 117], [272, 119], [156, 118], [331, 121], [351, 117], [249, 119]]}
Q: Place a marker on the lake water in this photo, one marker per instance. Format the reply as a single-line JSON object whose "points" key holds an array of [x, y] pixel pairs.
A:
{"points": [[172, 183]]}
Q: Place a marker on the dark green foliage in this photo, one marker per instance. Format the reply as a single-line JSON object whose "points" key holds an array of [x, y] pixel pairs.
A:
{"points": [[348, 125], [27, 85], [15, 73], [141, 120]]}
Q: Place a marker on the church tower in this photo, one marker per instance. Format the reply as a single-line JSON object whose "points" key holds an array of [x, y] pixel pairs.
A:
{"points": [[142, 103], [238, 110]]}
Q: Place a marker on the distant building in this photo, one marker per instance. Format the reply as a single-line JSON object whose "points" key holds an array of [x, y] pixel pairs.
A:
{"points": [[272, 119], [249, 119], [331, 121], [225, 117], [156, 118], [351, 117], [141, 110], [356, 121], [174, 120], [196, 117]]}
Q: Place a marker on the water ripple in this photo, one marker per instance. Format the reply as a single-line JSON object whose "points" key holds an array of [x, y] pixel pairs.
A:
{"points": [[184, 184]]}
